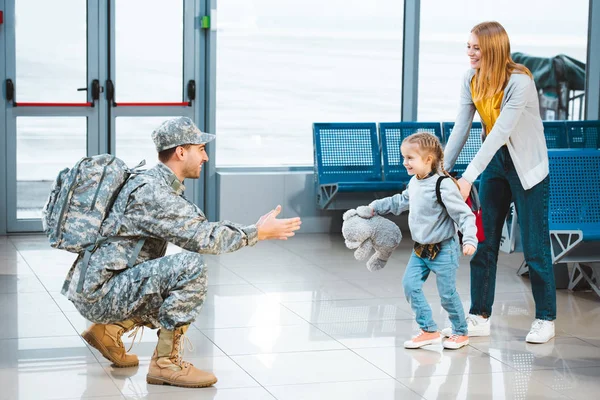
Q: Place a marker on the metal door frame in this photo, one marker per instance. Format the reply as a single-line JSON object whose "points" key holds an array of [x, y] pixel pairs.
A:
{"points": [[13, 112], [101, 135], [192, 50], [3, 135]]}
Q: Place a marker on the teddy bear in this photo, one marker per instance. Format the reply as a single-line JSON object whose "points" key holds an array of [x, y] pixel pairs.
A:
{"points": [[366, 232]]}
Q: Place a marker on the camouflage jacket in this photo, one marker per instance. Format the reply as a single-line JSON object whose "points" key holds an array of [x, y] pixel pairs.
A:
{"points": [[151, 206]]}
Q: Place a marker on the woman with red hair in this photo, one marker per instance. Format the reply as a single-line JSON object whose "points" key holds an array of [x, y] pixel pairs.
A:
{"points": [[513, 164]]}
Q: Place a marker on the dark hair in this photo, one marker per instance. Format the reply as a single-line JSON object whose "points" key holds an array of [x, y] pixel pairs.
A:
{"points": [[166, 155]]}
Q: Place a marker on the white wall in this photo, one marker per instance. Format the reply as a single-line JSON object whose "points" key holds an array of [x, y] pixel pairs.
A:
{"points": [[244, 197]]}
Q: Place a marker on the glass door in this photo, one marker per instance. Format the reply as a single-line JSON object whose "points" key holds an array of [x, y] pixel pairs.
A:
{"points": [[154, 74], [52, 93], [90, 77]]}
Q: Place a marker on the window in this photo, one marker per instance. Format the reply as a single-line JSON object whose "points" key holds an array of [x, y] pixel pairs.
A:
{"points": [[50, 68], [45, 146], [148, 51], [541, 28], [134, 140], [283, 65]]}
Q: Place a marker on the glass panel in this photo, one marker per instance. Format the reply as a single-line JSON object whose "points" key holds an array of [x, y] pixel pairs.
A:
{"points": [[284, 65], [134, 140], [51, 50], [445, 29], [149, 51], [45, 146]]}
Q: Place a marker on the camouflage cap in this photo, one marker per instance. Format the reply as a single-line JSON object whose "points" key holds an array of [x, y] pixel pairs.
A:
{"points": [[178, 131]]}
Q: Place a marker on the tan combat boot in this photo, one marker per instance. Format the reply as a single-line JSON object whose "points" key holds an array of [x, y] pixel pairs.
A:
{"points": [[167, 367], [107, 340]]}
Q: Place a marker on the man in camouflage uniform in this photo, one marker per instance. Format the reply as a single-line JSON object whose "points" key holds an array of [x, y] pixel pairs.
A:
{"points": [[127, 281]]}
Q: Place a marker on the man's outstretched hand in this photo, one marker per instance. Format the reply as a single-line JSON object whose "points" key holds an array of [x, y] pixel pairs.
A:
{"points": [[269, 227]]}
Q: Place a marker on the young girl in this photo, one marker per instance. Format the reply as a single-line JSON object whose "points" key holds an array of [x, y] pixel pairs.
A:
{"points": [[433, 228]]}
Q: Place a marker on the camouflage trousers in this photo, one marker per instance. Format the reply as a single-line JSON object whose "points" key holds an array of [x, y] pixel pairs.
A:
{"points": [[166, 292]]}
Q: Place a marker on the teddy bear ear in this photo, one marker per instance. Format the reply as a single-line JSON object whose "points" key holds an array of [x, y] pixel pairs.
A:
{"points": [[365, 212], [349, 214]]}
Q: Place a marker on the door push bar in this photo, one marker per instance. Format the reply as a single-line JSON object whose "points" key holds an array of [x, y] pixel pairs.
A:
{"points": [[191, 95], [11, 96]]}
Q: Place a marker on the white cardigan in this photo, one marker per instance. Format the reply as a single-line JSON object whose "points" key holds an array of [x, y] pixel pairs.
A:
{"points": [[519, 126]]}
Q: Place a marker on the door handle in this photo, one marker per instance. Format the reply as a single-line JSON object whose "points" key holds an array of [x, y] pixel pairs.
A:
{"points": [[10, 90], [96, 89], [110, 91]]}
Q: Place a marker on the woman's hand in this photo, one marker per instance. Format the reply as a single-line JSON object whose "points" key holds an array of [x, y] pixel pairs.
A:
{"points": [[465, 188]]}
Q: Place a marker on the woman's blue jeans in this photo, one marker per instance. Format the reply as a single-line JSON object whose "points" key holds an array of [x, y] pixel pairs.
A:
{"points": [[499, 186]]}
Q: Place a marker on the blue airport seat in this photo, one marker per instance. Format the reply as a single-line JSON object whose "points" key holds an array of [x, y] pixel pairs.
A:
{"points": [[574, 212], [347, 159], [583, 134], [556, 134], [470, 148], [392, 134]]}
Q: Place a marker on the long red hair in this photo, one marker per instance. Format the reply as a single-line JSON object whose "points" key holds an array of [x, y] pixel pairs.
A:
{"points": [[496, 62]]}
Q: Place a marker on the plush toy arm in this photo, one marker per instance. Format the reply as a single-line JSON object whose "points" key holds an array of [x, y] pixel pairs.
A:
{"points": [[375, 264], [386, 237], [352, 245], [363, 251], [385, 252]]}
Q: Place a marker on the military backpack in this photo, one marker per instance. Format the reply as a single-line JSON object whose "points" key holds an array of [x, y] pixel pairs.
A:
{"points": [[80, 200]]}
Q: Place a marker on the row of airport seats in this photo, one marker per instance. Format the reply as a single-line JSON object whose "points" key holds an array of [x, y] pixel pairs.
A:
{"points": [[359, 158], [352, 158]]}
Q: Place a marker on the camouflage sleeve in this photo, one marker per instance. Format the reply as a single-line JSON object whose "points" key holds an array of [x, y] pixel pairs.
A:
{"points": [[156, 212]]}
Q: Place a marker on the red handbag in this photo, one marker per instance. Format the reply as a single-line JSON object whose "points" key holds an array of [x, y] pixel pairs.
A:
{"points": [[472, 202]]}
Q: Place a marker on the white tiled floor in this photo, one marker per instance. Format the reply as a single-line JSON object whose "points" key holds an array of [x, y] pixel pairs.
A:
{"points": [[297, 320]]}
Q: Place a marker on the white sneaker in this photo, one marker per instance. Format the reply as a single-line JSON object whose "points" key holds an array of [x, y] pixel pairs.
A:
{"points": [[476, 324], [541, 331], [455, 342]]}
